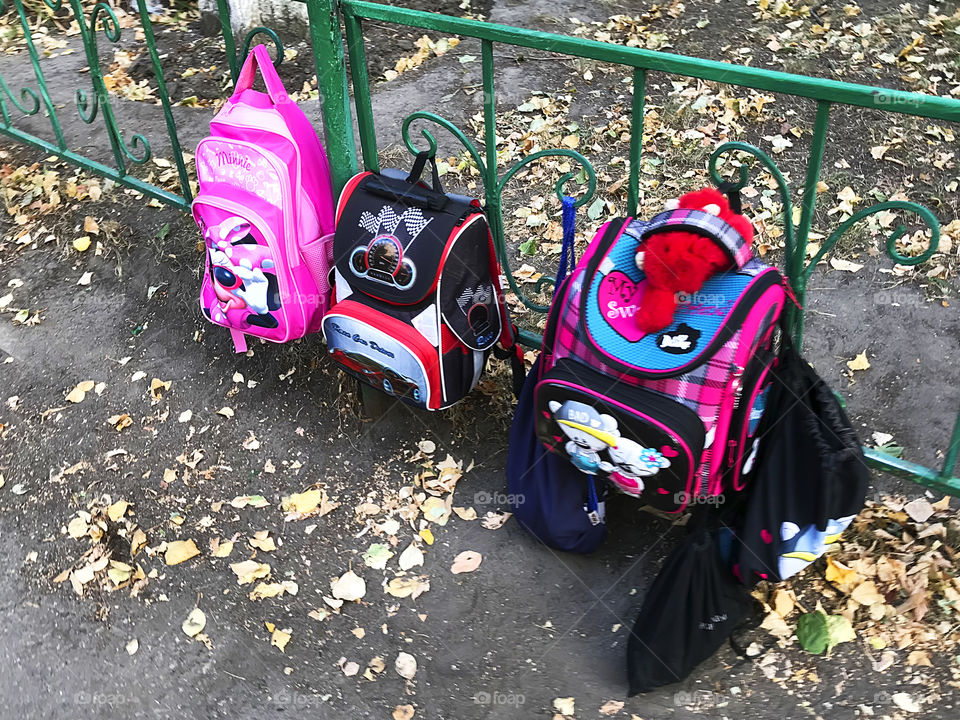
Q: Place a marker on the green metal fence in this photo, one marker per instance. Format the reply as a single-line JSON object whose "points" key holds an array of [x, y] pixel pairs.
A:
{"points": [[329, 50]]}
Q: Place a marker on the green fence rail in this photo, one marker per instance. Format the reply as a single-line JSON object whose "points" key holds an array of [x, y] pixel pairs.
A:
{"points": [[331, 45]]}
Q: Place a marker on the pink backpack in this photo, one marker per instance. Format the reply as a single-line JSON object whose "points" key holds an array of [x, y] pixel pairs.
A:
{"points": [[265, 208], [669, 416]]}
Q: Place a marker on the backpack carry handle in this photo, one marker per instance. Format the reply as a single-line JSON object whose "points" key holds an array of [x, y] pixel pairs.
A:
{"points": [[407, 197], [260, 58], [418, 167]]}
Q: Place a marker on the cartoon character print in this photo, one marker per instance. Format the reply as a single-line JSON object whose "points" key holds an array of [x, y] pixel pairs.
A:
{"points": [[588, 432], [246, 294], [629, 462], [801, 546]]}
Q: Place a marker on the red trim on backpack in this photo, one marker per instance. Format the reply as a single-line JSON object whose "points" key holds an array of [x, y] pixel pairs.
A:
{"points": [[348, 191]]}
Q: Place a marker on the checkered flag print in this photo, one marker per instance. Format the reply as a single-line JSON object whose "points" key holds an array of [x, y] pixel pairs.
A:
{"points": [[414, 221], [386, 219]]}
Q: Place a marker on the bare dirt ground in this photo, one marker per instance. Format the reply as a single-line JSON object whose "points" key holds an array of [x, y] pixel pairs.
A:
{"points": [[129, 475]]}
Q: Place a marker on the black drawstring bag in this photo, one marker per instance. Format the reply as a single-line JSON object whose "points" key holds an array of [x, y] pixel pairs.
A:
{"points": [[809, 479], [691, 609]]}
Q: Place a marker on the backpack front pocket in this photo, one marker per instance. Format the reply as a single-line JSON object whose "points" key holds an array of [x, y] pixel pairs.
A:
{"points": [[383, 352], [645, 444]]}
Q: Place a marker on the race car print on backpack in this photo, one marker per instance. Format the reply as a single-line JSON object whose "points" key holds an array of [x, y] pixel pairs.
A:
{"points": [[669, 415], [417, 299], [265, 208]]}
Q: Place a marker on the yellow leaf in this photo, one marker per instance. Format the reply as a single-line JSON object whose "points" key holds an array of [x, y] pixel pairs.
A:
{"points": [[280, 638], [860, 362], [117, 510], [80, 391], [427, 536], [180, 551], [223, 549], [249, 570], [81, 243], [840, 574]]}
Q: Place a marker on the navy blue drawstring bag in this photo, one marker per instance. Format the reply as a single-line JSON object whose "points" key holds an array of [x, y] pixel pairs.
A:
{"points": [[555, 502]]}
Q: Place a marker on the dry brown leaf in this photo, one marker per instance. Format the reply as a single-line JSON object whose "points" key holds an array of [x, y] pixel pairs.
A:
{"points": [[466, 562]]}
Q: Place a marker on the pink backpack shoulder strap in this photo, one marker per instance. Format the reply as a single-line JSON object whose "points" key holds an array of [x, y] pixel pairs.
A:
{"points": [[259, 57]]}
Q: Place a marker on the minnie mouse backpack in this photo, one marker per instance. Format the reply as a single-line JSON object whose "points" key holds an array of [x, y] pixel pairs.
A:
{"points": [[418, 304], [265, 208], [668, 416]]}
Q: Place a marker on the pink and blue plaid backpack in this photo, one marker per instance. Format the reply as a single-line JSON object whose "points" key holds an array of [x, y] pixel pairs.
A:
{"points": [[669, 416], [265, 208]]}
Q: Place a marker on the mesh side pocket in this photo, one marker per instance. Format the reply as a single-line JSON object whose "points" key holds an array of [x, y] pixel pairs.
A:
{"points": [[318, 256]]}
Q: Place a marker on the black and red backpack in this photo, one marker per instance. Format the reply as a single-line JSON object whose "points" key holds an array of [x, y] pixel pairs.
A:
{"points": [[417, 304]]}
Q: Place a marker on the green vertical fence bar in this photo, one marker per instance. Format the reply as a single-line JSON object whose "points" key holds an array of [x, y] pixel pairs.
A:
{"points": [[229, 45], [361, 92], [636, 138], [164, 99], [490, 181], [38, 73], [328, 59], [796, 255]]}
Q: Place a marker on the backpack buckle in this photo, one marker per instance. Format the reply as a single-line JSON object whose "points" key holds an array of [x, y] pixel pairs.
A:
{"points": [[594, 518]]}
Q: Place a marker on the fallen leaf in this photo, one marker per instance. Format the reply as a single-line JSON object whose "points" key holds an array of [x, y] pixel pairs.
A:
{"points": [[194, 623], [222, 549], [860, 362], [311, 502], [77, 528], [611, 707], [90, 226], [117, 510], [839, 573], [564, 705], [495, 520], [426, 535], [411, 587], [180, 551], [919, 510], [782, 603], [226, 412], [377, 556], [249, 570], [427, 446], [132, 647], [845, 265], [465, 513], [905, 702], [251, 443], [82, 244], [350, 668], [818, 632], [466, 562], [158, 387], [280, 638], [85, 278], [410, 557], [866, 594], [254, 501], [403, 712], [262, 541], [405, 665], [919, 657], [349, 587], [269, 590], [185, 416], [78, 394]]}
